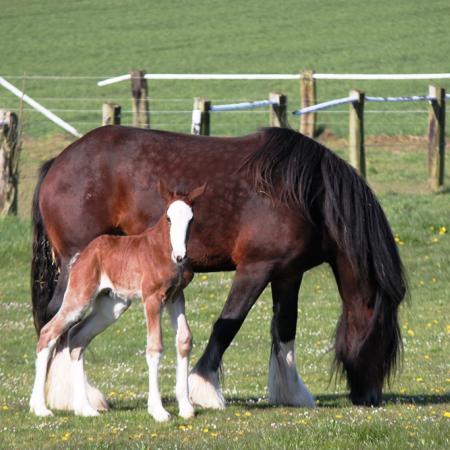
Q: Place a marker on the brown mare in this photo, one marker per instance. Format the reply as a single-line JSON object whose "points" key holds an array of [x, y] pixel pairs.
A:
{"points": [[109, 273], [277, 204]]}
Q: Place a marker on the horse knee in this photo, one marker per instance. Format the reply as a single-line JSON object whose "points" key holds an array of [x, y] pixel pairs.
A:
{"points": [[184, 343]]}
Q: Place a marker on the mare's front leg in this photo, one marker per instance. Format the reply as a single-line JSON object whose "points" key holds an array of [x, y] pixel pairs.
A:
{"points": [[183, 343], [107, 309], [153, 311], [285, 385], [249, 281]]}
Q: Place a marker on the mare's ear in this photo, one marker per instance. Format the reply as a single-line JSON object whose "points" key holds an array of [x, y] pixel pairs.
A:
{"points": [[196, 192], [164, 191]]}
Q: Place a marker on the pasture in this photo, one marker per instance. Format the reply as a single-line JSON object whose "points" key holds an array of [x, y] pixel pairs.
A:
{"points": [[417, 404], [53, 39], [86, 41]]}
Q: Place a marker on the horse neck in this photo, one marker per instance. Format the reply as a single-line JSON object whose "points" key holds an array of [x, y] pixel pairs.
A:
{"points": [[158, 237]]}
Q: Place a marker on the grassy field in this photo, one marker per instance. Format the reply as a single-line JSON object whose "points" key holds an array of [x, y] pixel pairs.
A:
{"points": [[416, 408], [94, 40]]}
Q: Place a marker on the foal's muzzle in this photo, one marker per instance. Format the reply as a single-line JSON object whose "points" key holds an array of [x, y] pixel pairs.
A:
{"points": [[181, 259]]}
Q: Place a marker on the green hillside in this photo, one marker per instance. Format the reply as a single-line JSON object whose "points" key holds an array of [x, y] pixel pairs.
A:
{"points": [[95, 39]]}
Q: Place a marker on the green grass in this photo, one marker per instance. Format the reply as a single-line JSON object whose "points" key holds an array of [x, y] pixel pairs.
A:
{"points": [[107, 38], [413, 413], [100, 39]]}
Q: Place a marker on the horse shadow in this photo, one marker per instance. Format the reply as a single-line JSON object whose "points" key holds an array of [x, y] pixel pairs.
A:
{"points": [[325, 401]]}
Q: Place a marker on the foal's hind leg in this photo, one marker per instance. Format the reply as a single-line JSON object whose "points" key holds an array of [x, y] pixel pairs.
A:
{"points": [[59, 386], [48, 338], [249, 281], [183, 345], [285, 386], [360, 344], [106, 311]]}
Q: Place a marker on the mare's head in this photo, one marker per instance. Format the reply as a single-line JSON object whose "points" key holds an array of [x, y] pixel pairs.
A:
{"points": [[178, 216]]}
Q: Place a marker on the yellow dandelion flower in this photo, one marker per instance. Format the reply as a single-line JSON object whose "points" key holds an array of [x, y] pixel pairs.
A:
{"points": [[435, 240], [153, 435], [419, 379], [448, 328], [205, 430], [213, 434], [5, 408], [237, 414], [410, 333], [247, 413], [442, 230], [446, 414], [339, 416]]}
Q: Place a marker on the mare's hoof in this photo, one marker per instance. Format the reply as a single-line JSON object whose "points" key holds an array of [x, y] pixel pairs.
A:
{"points": [[204, 392]]}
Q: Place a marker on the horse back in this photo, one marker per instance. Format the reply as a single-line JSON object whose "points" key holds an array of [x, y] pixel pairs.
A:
{"points": [[106, 183]]}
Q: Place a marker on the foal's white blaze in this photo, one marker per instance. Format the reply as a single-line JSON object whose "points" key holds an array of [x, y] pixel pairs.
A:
{"points": [[180, 214]]}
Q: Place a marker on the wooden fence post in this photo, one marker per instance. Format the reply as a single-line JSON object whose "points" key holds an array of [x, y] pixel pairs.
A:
{"points": [[436, 138], [357, 155], [278, 111], [10, 148], [140, 104], [307, 98], [201, 117], [111, 114]]}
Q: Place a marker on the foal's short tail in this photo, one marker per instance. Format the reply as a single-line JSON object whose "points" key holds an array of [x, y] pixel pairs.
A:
{"points": [[44, 270], [355, 220]]}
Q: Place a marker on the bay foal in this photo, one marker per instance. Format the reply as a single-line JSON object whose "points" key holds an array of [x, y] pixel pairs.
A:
{"points": [[107, 275]]}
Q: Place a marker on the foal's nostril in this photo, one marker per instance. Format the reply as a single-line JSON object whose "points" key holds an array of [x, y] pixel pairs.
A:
{"points": [[179, 259]]}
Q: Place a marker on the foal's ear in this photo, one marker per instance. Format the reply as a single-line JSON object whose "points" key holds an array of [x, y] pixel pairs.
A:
{"points": [[163, 190], [196, 192]]}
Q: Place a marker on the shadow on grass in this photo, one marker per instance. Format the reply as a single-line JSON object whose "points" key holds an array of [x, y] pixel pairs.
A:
{"points": [[322, 401]]}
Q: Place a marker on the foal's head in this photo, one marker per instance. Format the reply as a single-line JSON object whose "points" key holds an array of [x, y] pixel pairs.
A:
{"points": [[178, 216]]}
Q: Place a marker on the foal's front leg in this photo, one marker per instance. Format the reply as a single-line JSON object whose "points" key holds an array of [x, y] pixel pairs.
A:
{"points": [[153, 310], [183, 343]]}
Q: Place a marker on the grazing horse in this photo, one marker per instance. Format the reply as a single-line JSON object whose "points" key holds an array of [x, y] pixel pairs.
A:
{"points": [[277, 205], [109, 273]]}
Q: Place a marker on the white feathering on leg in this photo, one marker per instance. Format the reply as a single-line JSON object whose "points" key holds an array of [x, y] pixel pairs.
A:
{"points": [[285, 385], [205, 393]]}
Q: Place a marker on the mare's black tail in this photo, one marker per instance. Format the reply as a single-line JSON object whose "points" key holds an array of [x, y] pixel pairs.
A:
{"points": [[44, 269]]}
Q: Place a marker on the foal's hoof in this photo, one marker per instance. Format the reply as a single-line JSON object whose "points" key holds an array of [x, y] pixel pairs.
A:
{"points": [[186, 411], [160, 415]]}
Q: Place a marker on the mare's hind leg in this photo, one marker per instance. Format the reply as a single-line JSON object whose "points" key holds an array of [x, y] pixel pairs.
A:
{"points": [[359, 343], [285, 386], [183, 342], [106, 311], [59, 387], [249, 281]]}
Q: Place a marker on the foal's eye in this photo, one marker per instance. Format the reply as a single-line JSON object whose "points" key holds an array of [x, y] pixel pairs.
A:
{"points": [[168, 219]]}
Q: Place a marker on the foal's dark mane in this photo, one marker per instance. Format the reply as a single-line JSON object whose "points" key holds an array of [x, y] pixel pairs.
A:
{"points": [[297, 170]]}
